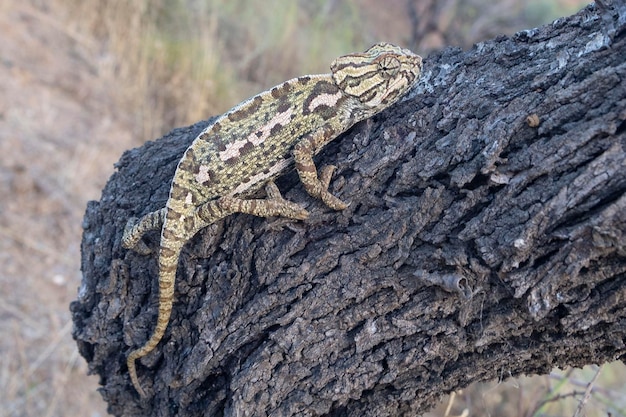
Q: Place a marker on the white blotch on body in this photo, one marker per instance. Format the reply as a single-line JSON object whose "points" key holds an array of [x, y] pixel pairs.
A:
{"points": [[280, 119], [258, 136], [329, 100], [203, 174]]}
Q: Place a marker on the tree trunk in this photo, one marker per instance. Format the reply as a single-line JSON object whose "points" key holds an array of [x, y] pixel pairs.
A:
{"points": [[486, 235]]}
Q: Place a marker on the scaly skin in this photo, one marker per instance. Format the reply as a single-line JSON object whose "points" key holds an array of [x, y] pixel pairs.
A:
{"points": [[257, 140]]}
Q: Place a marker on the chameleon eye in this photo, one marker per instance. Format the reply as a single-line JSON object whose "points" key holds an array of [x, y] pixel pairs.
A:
{"points": [[389, 66]]}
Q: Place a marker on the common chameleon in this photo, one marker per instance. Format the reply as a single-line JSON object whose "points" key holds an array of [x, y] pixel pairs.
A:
{"points": [[254, 142]]}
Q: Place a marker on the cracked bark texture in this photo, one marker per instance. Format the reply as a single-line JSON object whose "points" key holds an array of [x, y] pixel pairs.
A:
{"points": [[486, 236]]}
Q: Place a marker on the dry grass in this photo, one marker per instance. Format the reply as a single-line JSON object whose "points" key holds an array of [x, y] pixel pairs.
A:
{"points": [[182, 61], [592, 391], [82, 81]]}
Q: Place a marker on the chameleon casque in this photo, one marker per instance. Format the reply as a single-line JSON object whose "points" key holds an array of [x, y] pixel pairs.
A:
{"points": [[254, 142]]}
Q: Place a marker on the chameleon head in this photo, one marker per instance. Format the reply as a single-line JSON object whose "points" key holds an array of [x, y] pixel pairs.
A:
{"points": [[379, 76]]}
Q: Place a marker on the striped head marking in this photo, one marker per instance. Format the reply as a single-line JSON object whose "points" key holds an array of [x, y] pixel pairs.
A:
{"points": [[379, 76]]}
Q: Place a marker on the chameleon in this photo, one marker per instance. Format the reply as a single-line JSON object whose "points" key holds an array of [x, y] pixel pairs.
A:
{"points": [[246, 148]]}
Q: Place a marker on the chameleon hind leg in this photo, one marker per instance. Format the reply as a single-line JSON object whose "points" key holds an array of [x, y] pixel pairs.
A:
{"points": [[273, 205], [136, 228]]}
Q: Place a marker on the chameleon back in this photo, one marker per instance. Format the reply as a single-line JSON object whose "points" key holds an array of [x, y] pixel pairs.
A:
{"points": [[252, 143]]}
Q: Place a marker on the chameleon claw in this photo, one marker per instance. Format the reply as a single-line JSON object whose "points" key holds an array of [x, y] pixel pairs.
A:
{"points": [[272, 191], [332, 201], [293, 211], [131, 239], [326, 173], [287, 208], [127, 238]]}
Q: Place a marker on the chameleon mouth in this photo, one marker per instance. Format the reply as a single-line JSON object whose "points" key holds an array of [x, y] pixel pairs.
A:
{"points": [[394, 87]]}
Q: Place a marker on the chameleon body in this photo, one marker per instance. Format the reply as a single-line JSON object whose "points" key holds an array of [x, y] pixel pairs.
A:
{"points": [[257, 140]]}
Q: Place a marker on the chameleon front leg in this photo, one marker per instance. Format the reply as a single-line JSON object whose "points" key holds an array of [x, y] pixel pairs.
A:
{"points": [[273, 205], [316, 186], [135, 229]]}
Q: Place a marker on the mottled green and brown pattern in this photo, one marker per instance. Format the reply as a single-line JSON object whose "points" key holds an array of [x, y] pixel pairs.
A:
{"points": [[257, 140]]}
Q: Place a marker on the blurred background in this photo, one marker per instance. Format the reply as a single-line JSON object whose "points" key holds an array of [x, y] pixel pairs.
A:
{"points": [[83, 80]]}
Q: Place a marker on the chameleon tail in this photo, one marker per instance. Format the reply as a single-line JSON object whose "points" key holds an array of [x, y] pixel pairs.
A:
{"points": [[169, 254]]}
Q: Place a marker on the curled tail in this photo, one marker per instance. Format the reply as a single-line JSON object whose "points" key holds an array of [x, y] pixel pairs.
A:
{"points": [[169, 253]]}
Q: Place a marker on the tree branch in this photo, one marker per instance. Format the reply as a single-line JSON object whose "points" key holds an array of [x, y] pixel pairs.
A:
{"points": [[486, 235]]}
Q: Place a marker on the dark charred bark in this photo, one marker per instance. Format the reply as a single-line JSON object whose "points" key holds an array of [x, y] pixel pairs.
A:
{"points": [[486, 236]]}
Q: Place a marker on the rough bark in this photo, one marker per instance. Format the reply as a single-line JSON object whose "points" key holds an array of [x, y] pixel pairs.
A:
{"points": [[486, 236]]}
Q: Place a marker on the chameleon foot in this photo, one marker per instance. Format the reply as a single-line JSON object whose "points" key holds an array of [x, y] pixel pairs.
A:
{"points": [[131, 238], [326, 173], [136, 228], [274, 205]]}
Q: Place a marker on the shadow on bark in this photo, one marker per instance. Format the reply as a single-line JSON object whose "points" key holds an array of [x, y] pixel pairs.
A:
{"points": [[486, 236]]}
